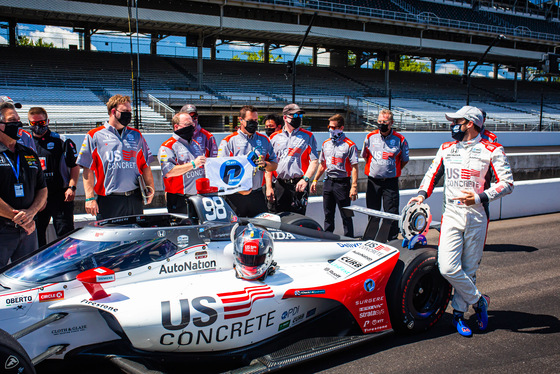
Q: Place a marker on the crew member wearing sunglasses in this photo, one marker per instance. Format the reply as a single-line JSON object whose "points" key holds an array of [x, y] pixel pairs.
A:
{"points": [[58, 161]]}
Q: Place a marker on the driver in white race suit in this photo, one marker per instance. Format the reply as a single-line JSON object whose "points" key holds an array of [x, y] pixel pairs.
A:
{"points": [[466, 164]]}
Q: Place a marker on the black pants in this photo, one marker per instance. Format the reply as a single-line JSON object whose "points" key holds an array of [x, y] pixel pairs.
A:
{"points": [[337, 192], [119, 206], [15, 243], [388, 191], [287, 199], [62, 214], [247, 205]]}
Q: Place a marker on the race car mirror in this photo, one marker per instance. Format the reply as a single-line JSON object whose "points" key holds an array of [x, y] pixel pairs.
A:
{"points": [[92, 279]]}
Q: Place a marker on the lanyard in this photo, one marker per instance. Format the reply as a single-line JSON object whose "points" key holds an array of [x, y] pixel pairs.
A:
{"points": [[15, 169]]}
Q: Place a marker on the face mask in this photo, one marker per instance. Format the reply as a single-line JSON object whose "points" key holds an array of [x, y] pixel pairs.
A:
{"points": [[383, 127], [39, 130], [296, 122], [251, 126], [12, 129], [185, 132], [125, 119], [456, 132], [270, 130], [335, 134]]}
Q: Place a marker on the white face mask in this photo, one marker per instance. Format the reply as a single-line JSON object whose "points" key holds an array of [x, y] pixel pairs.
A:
{"points": [[335, 134]]}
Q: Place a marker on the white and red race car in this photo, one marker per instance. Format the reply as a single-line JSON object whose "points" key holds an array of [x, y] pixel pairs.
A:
{"points": [[149, 290]]}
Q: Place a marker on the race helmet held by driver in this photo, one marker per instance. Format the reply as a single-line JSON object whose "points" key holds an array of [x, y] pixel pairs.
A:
{"points": [[252, 252]]}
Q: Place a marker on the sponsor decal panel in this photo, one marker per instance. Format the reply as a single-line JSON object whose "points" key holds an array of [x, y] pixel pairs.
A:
{"points": [[19, 300], [284, 325], [188, 266], [200, 317], [106, 307], [290, 312], [68, 330], [308, 292], [51, 296]]}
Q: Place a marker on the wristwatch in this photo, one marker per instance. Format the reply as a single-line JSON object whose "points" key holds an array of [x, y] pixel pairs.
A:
{"points": [[306, 179], [73, 188]]}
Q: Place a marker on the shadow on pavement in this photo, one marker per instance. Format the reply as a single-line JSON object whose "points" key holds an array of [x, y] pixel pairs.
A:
{"points": [[520, 322], [509, 248]]}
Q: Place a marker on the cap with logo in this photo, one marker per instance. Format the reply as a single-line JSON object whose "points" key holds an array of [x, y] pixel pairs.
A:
{"points": [[292, 109], [7, 99], [188, 108], [470, 113]]}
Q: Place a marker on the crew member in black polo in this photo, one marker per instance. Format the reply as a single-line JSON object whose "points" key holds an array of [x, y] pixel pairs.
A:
{"points": [[23, 190], [58, 159]]}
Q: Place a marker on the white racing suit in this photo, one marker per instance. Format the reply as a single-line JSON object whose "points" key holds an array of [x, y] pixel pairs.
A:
{"points": [[467, 166]]}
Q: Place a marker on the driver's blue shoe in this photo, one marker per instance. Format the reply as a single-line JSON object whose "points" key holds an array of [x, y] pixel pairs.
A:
{"points": [[461, 325], [481, 309]]}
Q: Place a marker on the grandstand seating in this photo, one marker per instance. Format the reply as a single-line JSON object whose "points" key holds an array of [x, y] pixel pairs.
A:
{"points": [[61, 82]]}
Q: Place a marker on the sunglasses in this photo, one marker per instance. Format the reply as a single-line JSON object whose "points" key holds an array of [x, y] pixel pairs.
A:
{"points": [[297, 115], [38, 123]]}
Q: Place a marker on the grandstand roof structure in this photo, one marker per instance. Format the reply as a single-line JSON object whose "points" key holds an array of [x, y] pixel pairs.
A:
{"points": [[439, 29]]}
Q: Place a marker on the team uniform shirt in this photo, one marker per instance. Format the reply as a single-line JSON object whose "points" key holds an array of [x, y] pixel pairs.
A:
{"points": [[19, 192], [177, 151], [117, 160], [57, 155], [338, 157], [240, 144], [384, 155], [466, 166], [206, 141], [26, 139], [295, 151], [488, 135]]}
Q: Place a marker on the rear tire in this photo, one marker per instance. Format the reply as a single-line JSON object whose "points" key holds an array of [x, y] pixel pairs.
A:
{"points": [[13, 358], [299, 220], [417, 294]]}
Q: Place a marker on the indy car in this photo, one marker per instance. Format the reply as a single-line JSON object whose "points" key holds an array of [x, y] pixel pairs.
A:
{"points": [[146, 291]]}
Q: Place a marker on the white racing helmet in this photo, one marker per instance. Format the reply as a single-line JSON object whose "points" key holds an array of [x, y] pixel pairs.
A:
{"points": [[253, 248]]}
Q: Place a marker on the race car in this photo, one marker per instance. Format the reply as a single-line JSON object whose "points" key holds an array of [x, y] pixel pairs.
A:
{"points": [[151, 290]]}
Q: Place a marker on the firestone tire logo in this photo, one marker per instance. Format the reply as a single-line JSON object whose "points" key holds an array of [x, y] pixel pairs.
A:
{"points": [[11, 362], [51, 296]]}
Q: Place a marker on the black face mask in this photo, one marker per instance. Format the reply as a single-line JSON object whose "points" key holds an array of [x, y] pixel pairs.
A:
{"points": [[186, 132], [39, 130], [251, 126], [125, 119], [383, 127], [296, 122], [12, 129], [456, 132], [270, 130]]}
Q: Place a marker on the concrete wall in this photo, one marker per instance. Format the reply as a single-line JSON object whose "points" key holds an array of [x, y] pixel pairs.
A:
{"points": [[528, 198], [416, 140]]}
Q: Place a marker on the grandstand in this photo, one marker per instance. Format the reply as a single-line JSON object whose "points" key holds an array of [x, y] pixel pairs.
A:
{"points": [[74, 84]]}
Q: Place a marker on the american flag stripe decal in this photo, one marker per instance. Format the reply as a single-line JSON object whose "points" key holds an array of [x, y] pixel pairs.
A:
{"points": [[239, 303]]}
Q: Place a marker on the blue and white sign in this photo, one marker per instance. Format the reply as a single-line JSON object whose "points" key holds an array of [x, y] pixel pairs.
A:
{"points": [[229, 174]]}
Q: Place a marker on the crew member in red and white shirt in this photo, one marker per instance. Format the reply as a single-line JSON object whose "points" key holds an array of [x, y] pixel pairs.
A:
{"points": [[113, 156], [339, 158], [202, 137], [182, 162], [296, 149], [386, 154]]}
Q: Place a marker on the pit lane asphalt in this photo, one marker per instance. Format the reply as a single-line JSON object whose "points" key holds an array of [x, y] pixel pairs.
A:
{"points": [[520, 271]]}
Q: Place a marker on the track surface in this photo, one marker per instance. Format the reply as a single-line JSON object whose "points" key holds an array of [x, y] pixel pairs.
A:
{"points": [[520, 271]]}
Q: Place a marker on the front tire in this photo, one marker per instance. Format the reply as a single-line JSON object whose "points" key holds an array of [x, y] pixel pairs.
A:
{"points": [[417, 294], [13, 358]]}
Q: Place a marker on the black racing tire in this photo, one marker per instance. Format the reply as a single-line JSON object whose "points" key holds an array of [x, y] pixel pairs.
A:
{"points": [[299, 220], [13, 358], [417, 294]]}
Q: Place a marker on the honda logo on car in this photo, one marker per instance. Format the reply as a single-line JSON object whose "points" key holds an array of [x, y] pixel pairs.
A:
{"points": [[204, 331], [51, 296]]}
